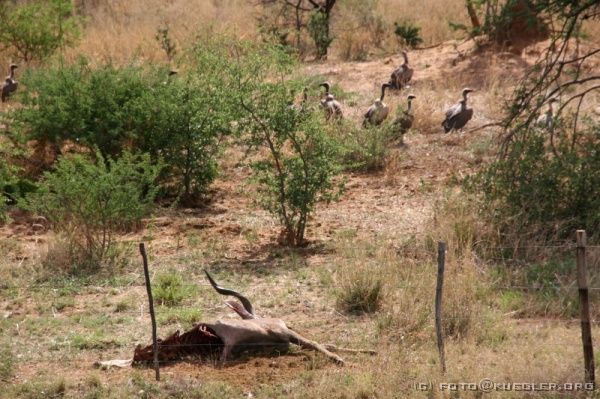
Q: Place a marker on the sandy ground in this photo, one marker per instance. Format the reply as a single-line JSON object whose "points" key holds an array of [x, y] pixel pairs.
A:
{"points": [[395, 203]]}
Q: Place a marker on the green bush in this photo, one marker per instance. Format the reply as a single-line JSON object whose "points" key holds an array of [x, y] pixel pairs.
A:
{"points": [[35, 29], [89, 201], [13, 184], [408, 33], [170, 289], [7, 179], [366, 149], [93, 106], [188, 117], [179, 118], [551, 188]]}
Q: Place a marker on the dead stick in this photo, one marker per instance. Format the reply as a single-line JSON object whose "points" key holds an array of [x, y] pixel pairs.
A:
{"points": [[151, 303], [499, 124], [438, 303], [584, 306]]}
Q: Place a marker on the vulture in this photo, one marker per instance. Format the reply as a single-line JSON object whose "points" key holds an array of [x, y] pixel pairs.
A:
{"points": [[458, 115], [546, 120], [302, 105], [332, 107], [402, 75], [10, 85], [377, 112], [405, 119]]}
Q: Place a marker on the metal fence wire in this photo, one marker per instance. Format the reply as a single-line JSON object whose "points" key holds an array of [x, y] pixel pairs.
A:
{"points": [[586, 258]]}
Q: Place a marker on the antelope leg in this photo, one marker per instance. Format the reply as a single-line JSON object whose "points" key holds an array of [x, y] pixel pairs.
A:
{"points": [[334, 348], [299, 340]]}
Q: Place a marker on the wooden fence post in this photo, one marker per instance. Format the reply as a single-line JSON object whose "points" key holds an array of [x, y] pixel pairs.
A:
{"points": [[152, 317], [438, 302], [584, 306]]}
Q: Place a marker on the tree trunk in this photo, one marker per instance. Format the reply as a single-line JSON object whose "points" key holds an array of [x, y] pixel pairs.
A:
{"points": [[473, 16]]}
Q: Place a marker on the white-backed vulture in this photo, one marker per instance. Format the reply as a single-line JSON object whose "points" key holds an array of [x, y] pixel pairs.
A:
{"points": [[303, 103], [405, 119], [10, 84], [459, 114], [332, 107], [377, 112], [546, 120], [402, 75]]}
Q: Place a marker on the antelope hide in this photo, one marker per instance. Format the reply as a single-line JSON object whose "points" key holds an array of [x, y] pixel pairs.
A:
{"points": [[227, 337]]}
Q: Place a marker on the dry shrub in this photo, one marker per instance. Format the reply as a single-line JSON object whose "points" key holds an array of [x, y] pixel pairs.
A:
{"points": [[118, 30], [354, 45], [63, 257], [404, 276], [359, 29], [360, 282], [360, 290], [432, 16]]}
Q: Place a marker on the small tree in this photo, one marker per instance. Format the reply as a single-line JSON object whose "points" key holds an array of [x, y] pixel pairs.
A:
{"points": [[506, 20], [318, 27], [89, 201], [299, 160], [34, 30], [298, 15], [546, 177], [166, 42], [185, 119]]}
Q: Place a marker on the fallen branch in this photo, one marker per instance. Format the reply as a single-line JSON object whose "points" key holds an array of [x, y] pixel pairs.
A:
{"points": [[483, 127]]}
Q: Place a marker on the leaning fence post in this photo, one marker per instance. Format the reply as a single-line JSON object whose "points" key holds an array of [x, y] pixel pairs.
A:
{"points": [[438, 302], [584, 306], [151, 303]]}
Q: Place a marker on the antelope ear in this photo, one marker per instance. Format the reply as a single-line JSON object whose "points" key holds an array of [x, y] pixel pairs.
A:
{"points": [[240, 310]]}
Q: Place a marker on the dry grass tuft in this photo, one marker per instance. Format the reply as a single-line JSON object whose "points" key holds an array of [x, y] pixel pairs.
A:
{"points": [[406, 274], [432, 16], [120, 31]]}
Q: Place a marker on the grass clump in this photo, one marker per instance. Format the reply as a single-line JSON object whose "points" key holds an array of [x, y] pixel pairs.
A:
{"points": [[41, 390], [7, 363], [187, 317], [170, 289], [95, 340], [366, 149], [360, 291]]}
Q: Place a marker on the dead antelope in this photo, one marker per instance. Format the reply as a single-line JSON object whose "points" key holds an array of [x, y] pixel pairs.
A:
{"points": [[230, 336]]}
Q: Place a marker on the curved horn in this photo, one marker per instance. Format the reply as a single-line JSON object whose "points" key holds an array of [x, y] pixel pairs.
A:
{"points": [[226, 291]]}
